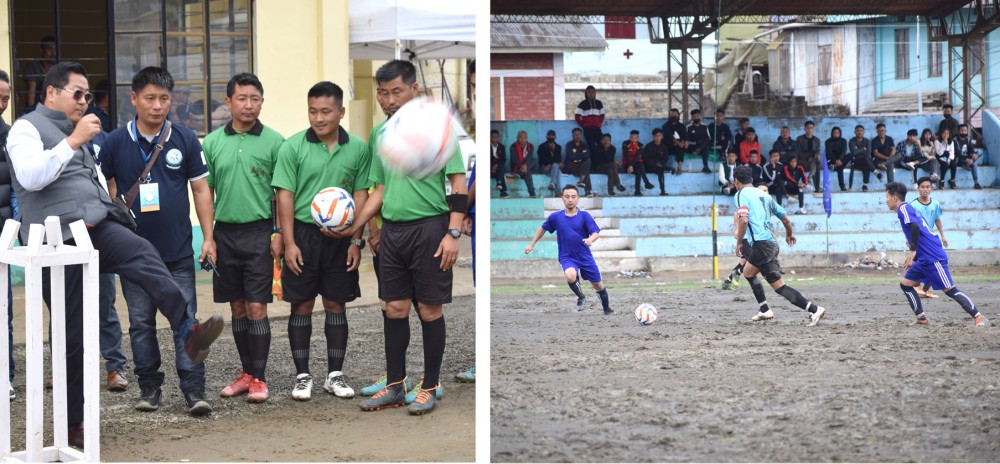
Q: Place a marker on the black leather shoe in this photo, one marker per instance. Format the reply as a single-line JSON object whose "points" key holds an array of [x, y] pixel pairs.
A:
{"points": [[76, 435], [149, 399], [196, 403]]}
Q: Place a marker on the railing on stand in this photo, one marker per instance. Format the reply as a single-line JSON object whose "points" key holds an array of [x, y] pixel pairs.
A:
{"points": [[55, 256]]}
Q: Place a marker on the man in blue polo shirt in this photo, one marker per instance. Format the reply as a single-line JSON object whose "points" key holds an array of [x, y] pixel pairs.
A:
{"points": [[162, 215]]}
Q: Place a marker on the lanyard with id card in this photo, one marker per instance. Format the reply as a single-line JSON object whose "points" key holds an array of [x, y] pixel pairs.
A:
{"points": [[148, 192]]}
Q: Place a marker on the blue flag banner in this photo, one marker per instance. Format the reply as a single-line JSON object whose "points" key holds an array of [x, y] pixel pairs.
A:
{"points": [[827, 200]]}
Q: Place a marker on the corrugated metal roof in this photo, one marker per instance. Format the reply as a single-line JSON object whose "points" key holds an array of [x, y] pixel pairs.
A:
{"points": [[674, 8], [554, 37]]}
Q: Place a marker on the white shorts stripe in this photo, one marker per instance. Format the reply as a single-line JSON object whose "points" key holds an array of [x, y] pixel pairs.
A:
{"points": [[943, 275]]}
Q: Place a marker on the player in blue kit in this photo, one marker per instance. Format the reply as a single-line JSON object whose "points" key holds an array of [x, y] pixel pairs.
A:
{"points": [[577, 231], [755, 242], [927, 261], [930, 209]]}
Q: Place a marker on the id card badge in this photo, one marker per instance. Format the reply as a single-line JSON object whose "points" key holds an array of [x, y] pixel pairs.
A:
{"points": [[149, 197]]}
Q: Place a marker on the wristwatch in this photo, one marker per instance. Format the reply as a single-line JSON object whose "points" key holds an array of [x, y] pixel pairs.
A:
{"points": [[455, 233], [360, 242]]}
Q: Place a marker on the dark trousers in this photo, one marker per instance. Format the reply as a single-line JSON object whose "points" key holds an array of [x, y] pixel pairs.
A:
{"points": [[121, 252], [639, 171], [865, 164], [498, 176], [778, 190], [592, 135], [610, 170], [840, 175], [658, 169], [792, 188], [515, 168], [581, 169]]}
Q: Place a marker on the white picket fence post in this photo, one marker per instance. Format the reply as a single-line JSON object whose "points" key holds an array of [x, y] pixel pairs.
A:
{"points": [[33, 258]]}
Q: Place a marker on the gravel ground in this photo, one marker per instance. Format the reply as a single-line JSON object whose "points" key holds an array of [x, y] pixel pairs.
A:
{"points": [[705, 384], [324, 429]]}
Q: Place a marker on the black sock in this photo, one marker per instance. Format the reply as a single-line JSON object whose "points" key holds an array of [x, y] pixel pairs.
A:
{"points": [[605, 302], [914, 299], [299, 333], [963, 300], [927, 287], [796, 298], [239, 327], [735, 275], [434, 341], [259, 341], [575, 286], [397, 340], [336, 340], [758, 293]]}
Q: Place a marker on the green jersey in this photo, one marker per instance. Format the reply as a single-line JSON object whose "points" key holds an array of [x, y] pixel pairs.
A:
{"points": [[305, 166], [239, 170]]}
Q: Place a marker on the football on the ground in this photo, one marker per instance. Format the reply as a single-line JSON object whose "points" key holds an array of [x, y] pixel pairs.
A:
{"points": [[645, 314], [419, 139], [333, 209]]}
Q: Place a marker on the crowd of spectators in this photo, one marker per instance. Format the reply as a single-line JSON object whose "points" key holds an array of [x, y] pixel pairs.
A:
{"points": [[791, 168]]}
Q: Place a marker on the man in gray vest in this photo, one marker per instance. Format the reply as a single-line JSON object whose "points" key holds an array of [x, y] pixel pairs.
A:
{"points": [[55, 174]]}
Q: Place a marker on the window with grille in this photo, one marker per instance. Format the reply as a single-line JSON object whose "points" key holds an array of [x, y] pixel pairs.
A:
{"points": [[201, 42], [902, 54]]}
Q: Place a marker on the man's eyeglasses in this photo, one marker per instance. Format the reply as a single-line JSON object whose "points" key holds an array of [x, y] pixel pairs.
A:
{"points": [[78, 94]]}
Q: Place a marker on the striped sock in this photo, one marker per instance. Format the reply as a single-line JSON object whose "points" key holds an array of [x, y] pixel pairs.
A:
{"points": [[914, 299], [299, 333], [336, 340], [963, 300]]}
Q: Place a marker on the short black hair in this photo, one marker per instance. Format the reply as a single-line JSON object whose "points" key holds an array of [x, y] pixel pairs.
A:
{"points": [[152, 75], [695, 111], [101, 90], [912, 132], [58, 76], [924, 179], [947, 106], [494, 131], [897, 190], [963, 125], [879, 126], [48, 39], [244, 78], [327, 89], [589, 87], [633, 132], [743, 120], [859, 126], [577, 129], [657, 131], [754, 152], [809, 123], [606, 135], [397, 68], [785, 127], [569, 187], [775, 152], [4, 77], [675, 110], [743, 174], [720, 111], [750, 130]]}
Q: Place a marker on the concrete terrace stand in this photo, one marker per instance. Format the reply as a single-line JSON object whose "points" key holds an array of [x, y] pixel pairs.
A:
{"points": [[34, 257], [674, 232]]}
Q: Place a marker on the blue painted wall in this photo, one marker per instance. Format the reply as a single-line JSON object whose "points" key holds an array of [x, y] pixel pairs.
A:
{"points": [[885, 63]]}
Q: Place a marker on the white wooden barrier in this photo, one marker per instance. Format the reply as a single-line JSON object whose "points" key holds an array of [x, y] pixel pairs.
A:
{"points": [[33, 258]]}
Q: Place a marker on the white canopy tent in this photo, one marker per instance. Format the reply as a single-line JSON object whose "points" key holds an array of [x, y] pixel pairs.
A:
{"points": [[412, 29]]}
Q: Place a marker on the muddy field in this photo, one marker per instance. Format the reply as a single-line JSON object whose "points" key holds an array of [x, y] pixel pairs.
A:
{"points": [[323, 429], [705, 384]]}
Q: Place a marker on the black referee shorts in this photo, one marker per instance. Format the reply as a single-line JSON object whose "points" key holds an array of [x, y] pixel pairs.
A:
{"points": [[243, 262], [764, 256], [407, 266], [324, 268]]}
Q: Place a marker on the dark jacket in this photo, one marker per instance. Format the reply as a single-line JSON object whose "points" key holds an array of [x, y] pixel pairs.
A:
{"points": [[500, 157], [577, 153], [836, 149], [601, 156], [631, 157], [656, 155], [6, 211], [674, 131], [722, 137], [548, 155], [797, 175], [807, 148], [699, 137], [529, 156], [788, 148], [773, 173]]}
